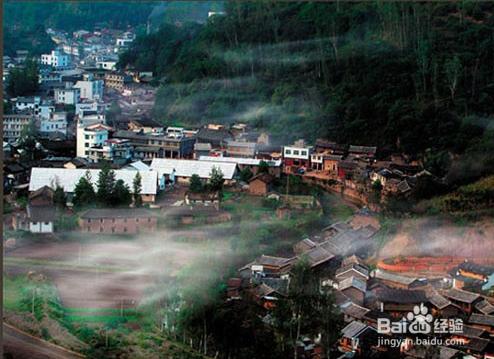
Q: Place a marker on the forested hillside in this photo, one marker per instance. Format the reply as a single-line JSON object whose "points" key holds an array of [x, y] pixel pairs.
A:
{"points": [[24, 23], [414, 77]]}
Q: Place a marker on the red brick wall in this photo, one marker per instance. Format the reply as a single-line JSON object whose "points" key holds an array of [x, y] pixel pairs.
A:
{"points": [[118, 225], [258, 187]]}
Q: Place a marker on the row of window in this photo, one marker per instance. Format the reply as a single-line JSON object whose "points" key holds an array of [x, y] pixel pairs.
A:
{"points": [[296, 152], [112, 230], [101, 220]]}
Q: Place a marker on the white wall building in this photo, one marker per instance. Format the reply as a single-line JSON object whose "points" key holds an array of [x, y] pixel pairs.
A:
{"points": [[90, 89], [28, 103], [67, 96], [89, 136], [56, 59], [57, 122], [106, 64]]}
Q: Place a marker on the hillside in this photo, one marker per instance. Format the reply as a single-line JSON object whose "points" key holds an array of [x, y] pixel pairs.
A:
{"points": [[409, 77]]}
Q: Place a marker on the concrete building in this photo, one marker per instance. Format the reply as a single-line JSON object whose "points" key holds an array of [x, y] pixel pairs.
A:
{"points": [[13, 125], [67, 96], [118, 221], [68, 178], [57, 122], [56, 59], [90, 88], [90, 136]]}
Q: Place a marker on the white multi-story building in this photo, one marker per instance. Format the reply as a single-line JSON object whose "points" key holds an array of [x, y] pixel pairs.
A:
{"points": [[13, 126], [28, 103], [67, 96], [46, 109], [124, 41], [56, 59], [90, 136], [106, 64], [57, 122], [91, 89]]}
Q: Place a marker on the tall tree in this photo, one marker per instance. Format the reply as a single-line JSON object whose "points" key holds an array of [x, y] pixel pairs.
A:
{"points": [[105, 185], [216, 179], [137, 189], [195, 184], [84, 194], [120, 196]]}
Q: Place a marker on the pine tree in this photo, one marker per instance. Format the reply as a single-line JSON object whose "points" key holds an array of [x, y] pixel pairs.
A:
{"points": [[216, 179], [84, 191], [120, 195], [195, 184], [105, 186], [137, 188], [59, 198]]}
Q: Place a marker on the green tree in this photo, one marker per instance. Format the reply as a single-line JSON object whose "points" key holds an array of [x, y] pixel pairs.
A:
{"points": [[263, 167], [105, 186], [84, 194], [246, 174], [23, 81], [120, 196], [137, 189], [307, 311], [59, 197], [216, 179], [195, 184]]}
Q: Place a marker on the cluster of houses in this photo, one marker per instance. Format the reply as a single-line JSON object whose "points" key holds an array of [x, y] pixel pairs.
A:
{"points": [[367, 296]]}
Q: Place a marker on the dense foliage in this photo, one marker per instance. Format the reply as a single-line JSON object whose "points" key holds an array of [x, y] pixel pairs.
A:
{"points": [[23, 81], [407, 77]]}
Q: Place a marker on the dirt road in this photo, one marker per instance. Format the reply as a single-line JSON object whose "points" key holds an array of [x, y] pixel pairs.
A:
{"points": [[23, 346]]}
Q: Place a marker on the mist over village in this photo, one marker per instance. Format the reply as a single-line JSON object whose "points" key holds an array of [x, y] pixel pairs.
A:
{"points": [[248, 179]]}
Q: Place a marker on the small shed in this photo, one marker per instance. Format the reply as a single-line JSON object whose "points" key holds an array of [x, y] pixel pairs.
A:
{"points": [[261, 184]]}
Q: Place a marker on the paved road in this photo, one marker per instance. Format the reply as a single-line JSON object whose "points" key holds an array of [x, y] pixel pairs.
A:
{"points": [[23, 346]]}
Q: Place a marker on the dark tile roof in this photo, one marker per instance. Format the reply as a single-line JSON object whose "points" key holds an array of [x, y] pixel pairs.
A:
{"points": [[469, 331], [461, 295], [481, 319], [401, 296], [352, 267], [41, 213], [354, 329], [485, 307], [353, 310]]}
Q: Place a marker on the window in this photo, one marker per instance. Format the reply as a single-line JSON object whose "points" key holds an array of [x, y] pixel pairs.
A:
{"points": [[89, 220], [137, 220], [304, 153], [47, 223], [288, 152], [101, 220], [149, 220], [125, 229], [295, 152], [100, 229]]}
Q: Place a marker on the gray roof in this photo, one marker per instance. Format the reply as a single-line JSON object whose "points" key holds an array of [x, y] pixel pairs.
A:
{"points": [[318, 255], [68, 178], [461, 295], [354, 329], [241, 161], [186, 168], [40, 213], [485, 307], [352, 267], [437, 299], [353, 310], [481, 319], [392, 277], [353, 282]]}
